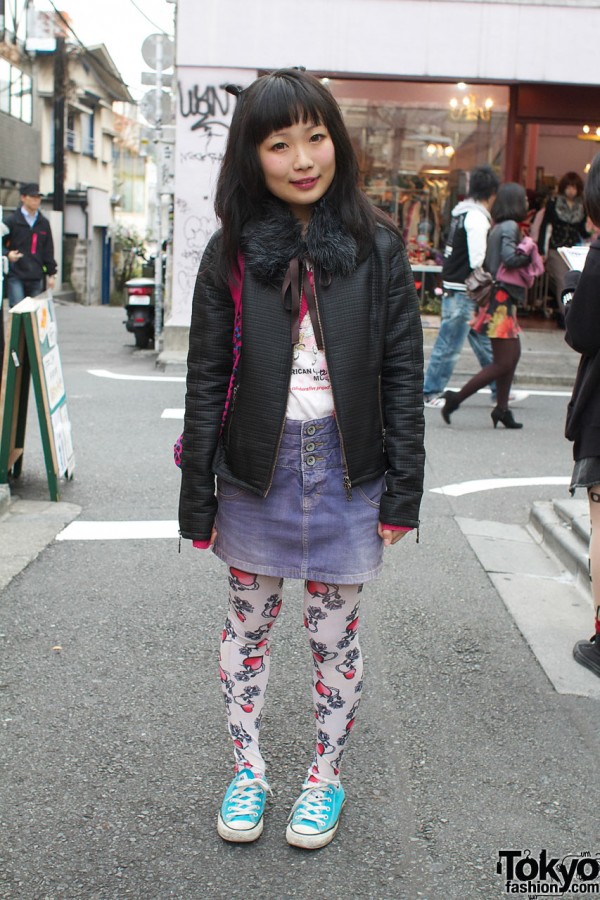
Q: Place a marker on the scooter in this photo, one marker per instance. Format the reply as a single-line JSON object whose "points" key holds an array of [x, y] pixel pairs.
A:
{"points": [[140, 310]]}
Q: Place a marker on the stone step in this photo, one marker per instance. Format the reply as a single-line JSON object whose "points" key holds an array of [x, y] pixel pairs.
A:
{"points": [[563, 528]]}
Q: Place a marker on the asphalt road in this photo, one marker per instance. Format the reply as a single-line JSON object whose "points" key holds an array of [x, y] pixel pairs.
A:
{"points": [[114, 748]]}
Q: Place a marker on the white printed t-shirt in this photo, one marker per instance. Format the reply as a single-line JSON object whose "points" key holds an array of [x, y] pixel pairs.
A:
{"points": [[310, 395]]}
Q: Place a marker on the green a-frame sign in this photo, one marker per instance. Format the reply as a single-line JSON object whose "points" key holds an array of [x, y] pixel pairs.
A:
{"points": [[31, 355]]}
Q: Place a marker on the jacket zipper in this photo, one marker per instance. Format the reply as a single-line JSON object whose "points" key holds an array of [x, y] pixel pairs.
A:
{"points": [[281, 430], [381, 411], [279, 439], [346, 479], [231, 411]]}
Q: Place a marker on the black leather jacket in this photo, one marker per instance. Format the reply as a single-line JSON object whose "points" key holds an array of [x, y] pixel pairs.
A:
{"points": [[583, 335], [35, 244], [373, 341]]}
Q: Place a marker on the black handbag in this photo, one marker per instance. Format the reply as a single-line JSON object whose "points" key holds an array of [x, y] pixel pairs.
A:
{"points": [[479, 286]]}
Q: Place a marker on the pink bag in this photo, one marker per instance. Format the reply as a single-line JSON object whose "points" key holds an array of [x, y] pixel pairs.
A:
{"points": [[525, 275]]}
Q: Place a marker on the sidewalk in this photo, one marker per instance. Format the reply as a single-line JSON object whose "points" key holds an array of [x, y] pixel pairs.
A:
{"points": [[546, 359]]}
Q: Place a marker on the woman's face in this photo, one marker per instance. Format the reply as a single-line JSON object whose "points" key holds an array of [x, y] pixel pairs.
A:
{"points": [[298, 163], [570, 192]]}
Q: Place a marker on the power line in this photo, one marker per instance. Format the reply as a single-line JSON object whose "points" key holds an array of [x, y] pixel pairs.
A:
{"points": [[97, 62], [148, 19]]}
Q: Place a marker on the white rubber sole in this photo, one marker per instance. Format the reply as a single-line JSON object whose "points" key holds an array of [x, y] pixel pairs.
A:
{"points": [[237, 836], [312, 841]]}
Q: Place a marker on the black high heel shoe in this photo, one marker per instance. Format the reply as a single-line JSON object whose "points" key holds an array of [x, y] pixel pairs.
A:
{"points": [[450, 406], [506, 417]]}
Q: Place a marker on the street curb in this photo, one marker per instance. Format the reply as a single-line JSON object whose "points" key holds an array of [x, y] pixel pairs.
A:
{"points": [[26, 529], [566, 542]]}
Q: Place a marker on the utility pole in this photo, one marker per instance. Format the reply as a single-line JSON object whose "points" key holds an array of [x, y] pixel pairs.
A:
{"points": [[59, 124], [158, 275], [158, 53]]}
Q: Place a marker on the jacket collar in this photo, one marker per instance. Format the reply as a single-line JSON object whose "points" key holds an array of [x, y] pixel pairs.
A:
{"points": [[272, 240]]}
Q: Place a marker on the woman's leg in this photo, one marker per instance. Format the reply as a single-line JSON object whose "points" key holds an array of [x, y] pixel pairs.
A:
{"points": [[588, 652], [594, 500], [254, 604], [506, 353], [331, 621]]}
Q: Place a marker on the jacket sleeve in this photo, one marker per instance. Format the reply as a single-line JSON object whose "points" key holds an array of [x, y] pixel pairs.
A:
{"points": [[510, 254], [476, 227], [402, 397], [582, 314], [209, 367], [48, 261]]}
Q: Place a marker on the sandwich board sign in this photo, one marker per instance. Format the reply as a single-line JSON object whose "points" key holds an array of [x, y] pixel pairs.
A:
{"points": [[31, 355]]}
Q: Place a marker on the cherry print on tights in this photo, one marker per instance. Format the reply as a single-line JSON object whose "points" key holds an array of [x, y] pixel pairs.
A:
{"points": [[331, 622]]}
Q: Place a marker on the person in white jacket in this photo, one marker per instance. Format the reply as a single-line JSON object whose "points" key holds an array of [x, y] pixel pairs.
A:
{"points": [[465, 250]]}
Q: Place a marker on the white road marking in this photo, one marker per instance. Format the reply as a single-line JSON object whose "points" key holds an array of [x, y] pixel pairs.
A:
{"points": [[491, 484], [172, 414], [104, 373], [118, 531]]}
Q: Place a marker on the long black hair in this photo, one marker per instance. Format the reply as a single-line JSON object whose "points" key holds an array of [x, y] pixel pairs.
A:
{"points": [[510, 203], [271, 103]]}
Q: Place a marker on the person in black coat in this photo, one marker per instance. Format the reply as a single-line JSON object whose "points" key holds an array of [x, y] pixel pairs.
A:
{"points": [[305, 398], [29, 248], [582, 318], [565, 220]]}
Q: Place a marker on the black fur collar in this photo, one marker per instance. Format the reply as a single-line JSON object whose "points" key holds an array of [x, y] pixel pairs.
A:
{"points": [[271, 241]]}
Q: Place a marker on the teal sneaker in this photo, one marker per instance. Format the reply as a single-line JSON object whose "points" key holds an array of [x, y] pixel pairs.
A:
{"points": [[241, 815], [315, 816]]}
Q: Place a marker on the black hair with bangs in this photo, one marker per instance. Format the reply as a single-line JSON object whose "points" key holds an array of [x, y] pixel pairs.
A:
{"points": [[269, 104]]}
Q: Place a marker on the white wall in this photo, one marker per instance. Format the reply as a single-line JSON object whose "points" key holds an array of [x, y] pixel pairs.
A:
{"points": [[433, 38], [204, 111]]}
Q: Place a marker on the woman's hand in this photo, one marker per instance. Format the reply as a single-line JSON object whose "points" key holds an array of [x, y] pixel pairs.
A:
{"points": [[206, 545], [388, 536]]}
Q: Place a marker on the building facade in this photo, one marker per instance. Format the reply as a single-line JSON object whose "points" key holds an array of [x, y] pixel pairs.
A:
{"points": [[428, 89]]}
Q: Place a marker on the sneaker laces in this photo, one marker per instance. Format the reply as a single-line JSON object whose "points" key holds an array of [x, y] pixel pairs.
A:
{"points": [[246, 797], [313, 805]]}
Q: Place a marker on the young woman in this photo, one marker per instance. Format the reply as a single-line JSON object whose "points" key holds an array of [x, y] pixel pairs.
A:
{"points": [[563, 225], [499, 318], [304, 397], [583, 334]]}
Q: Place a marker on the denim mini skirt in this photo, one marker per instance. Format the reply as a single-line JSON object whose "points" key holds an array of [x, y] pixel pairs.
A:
{"points": [[586, 473], [305, 527]]}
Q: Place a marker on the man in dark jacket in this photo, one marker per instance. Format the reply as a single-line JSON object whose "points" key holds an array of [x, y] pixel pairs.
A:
{"points": [[29, 248]]}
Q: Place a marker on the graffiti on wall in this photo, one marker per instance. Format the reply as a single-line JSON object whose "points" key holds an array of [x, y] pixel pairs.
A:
{"points": [[204, 110]]}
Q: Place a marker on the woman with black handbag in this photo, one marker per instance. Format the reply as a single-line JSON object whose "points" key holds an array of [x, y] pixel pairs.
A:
{"points": [[582, 320]]}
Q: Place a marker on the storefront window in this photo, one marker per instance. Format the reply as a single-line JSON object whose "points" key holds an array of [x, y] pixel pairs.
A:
{"points": [[416, 143]]}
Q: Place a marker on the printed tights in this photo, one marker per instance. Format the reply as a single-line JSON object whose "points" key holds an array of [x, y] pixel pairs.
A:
{"points": [[331, 622]]}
